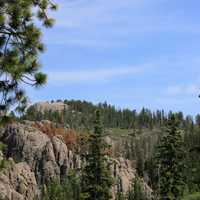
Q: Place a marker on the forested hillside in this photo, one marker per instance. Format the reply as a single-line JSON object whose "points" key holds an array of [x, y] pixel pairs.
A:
{"points": [[135, 136]]}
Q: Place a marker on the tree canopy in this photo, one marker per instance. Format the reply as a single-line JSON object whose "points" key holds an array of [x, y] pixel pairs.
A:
{"points": [[20, 46]]}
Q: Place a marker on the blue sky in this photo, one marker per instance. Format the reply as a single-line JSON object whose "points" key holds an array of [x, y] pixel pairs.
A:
{"points": [[130, 53]]}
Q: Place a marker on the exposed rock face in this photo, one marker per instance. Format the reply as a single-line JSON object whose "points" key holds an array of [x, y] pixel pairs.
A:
{"points": [[17, 182], [47, 106], [123, 173], [47, 159]]}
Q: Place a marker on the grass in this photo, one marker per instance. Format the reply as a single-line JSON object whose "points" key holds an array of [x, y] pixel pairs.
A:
{"points": [[118, 132]]}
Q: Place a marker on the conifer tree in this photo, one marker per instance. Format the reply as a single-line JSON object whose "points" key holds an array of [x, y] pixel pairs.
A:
{"points": [[140, 159], [170, 162], [136, 192], [96, 178], [68, 189], [20, 45]]}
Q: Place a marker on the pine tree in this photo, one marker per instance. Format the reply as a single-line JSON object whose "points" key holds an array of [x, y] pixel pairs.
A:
{"points": [[67, 189], [140, 159], [119, 194], [20, 45], [170, 157], [96, 178], [136, 192]]}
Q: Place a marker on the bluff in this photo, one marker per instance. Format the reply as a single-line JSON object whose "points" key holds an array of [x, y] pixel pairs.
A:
{"points": [[39, 159]]}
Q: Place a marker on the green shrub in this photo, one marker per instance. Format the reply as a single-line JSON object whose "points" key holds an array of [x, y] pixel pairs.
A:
{"points": [[3, 147], [69, 189], [195, 196], [4, 164]]}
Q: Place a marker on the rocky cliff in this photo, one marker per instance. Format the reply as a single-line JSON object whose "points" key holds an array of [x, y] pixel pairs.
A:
{"points": [[41, 159], [17, 182], [50, 106]]}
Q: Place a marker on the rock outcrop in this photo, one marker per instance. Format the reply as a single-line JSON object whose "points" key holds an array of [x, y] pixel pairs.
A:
{"points": [[48, 158], [123, 174], [43, 159], [50, 106], [17, 182]]}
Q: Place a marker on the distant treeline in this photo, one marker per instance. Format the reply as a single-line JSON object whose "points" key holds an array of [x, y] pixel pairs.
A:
{"points": [[80, 114]]}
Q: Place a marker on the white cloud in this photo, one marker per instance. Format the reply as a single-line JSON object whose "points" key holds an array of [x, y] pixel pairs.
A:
{"points": [[95, 75]]}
